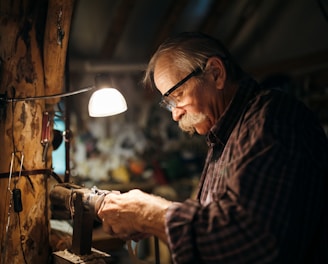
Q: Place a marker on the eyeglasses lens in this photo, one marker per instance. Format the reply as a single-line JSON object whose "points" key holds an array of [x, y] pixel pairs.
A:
{"points": [[167, 103]]}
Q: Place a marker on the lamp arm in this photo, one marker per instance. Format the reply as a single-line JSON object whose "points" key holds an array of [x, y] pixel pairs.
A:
{"points": [[44, 97]]}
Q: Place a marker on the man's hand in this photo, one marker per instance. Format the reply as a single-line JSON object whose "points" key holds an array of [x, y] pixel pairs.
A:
{"points": [[134, 215]]}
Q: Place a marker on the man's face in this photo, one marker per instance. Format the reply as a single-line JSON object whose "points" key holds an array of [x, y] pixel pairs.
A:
{"points": [[193, 106]]}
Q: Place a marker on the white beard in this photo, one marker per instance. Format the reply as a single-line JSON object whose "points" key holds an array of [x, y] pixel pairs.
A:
{"points": [[188, 121]]}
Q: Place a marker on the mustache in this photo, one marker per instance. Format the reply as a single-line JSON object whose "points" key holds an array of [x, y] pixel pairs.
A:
{"points": [[188, 121]]}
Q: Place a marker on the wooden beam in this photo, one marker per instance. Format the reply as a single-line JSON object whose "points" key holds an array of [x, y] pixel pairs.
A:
{"points": [[24, 230], [55, 45], [168, 21], [293, 66], [118, 22], [214, 15]]}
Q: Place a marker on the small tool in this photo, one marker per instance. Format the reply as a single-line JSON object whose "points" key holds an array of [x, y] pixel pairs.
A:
{"points": [[45, 135]]}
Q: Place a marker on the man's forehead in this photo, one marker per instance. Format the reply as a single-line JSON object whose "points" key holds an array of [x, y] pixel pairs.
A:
{"points": [[164, 68], [164, 75]]}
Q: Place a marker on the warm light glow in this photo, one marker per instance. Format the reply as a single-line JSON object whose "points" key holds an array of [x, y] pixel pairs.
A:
{"points": [[106, 102]]}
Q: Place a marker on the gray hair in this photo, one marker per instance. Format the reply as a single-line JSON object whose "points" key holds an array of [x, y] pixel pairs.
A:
{"points": [[190, 50]]}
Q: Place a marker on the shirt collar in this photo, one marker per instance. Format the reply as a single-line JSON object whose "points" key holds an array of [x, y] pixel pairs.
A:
{"points": [[221, 131]]}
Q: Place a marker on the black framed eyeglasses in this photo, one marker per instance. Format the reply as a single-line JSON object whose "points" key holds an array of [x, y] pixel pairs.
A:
{"points": [[167, 102]]}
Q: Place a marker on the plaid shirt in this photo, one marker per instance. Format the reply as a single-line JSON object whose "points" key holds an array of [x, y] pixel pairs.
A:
{"points": [[262, 195]]}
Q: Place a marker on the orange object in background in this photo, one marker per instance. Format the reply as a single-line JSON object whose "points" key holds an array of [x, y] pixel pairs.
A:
{"points": [[136, 166]]}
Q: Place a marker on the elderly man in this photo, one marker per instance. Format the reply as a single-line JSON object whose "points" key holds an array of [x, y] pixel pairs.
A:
{"points": [[262, 196]]}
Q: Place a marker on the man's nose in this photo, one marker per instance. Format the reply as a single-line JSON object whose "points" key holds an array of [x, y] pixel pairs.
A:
{"points": [[177, 113]]}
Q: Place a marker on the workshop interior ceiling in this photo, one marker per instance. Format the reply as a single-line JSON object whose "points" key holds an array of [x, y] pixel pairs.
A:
{"points": [[264, 36]]}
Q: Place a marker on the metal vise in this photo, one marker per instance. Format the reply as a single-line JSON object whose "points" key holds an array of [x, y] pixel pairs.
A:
{"points": [[70, 201]]}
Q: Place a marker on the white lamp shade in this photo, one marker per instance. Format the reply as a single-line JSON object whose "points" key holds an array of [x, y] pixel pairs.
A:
{"points": [[106, 102]]}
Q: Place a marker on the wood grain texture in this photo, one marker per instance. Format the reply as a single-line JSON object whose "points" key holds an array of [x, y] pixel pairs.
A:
{"points": [[24, 236]]}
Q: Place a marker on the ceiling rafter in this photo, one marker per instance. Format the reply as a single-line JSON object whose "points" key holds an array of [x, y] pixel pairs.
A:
{"points": [[300, 65], [118, 23], [244, 41], [213, 17], [169, 21], [249, 9]]}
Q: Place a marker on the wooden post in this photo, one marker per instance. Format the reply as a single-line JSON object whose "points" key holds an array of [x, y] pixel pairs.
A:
{"points": [[33, 43]]}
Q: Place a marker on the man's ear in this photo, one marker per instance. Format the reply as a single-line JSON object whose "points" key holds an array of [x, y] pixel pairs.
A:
{"points": [[218, 71]]}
